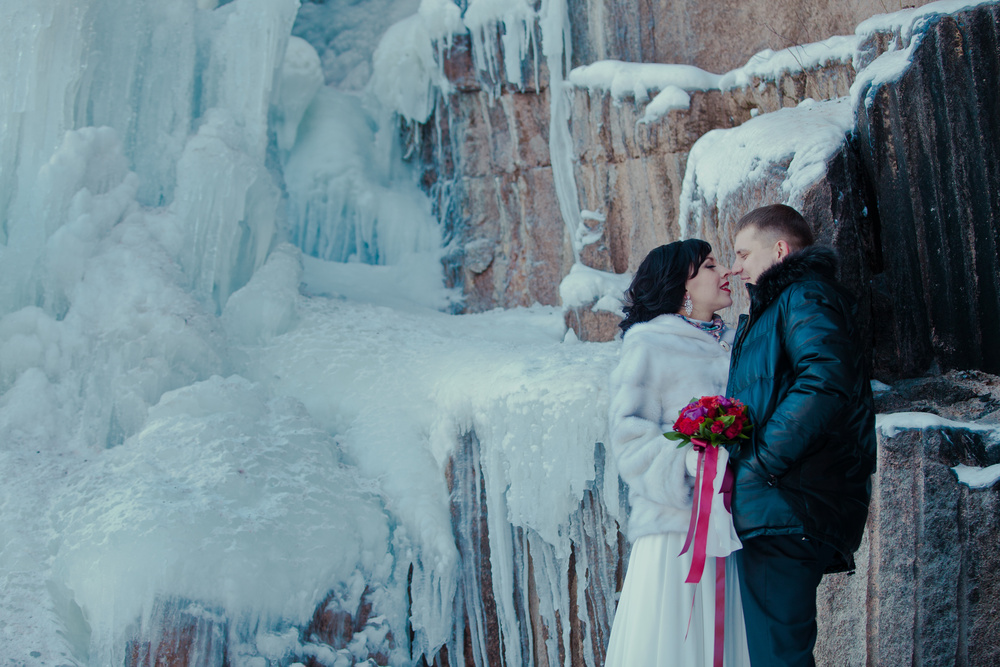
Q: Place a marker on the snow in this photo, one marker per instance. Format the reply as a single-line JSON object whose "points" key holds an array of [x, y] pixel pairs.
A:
{"points": [[353, 203], [891, 424], [721, 162], [301, 77], [906, 29], [407, 74], [637, 80], [456, 374], [978, 478], [443, 18], [906, 22], [585, 286], [345, 34], [514, 22], [671, 84], [623, 79], [229, 387], [219, 475], [768, 65], [669, 99], [411, 284], [226, 203]]}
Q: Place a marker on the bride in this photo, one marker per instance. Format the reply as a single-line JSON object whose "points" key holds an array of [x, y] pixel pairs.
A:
{"points": [[674, 349]]}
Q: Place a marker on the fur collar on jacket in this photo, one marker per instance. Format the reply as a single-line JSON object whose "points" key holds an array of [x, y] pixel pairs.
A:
{"points": [[797, 266]]}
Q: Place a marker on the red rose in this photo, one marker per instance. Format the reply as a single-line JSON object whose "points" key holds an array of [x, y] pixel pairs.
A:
{"points": [[732, 432], [686, 426], [717, 427]]}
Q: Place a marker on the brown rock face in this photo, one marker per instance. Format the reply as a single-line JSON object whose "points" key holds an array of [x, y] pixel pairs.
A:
{"points": [[631, 172], [485, 156], [512, 248], [592, 325], [715, 36], [909, 206], [921, 595], [487, 165]]}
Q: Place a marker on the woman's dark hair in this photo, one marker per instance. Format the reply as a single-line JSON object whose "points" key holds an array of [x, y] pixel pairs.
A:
{"points": [[658, 285]]}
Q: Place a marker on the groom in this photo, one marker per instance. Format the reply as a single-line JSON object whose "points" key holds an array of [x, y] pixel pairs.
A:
{"points": [[803, 479]]}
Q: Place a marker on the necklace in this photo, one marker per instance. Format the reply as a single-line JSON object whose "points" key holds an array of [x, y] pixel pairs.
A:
{"points": [[715, 328]]}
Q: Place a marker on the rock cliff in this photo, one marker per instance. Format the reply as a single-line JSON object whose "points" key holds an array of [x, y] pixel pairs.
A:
{"points": [[929, 140], [921, 594]]}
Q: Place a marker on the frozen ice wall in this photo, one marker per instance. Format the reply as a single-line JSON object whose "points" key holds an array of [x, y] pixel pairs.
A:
{"points": [[228, 389]]}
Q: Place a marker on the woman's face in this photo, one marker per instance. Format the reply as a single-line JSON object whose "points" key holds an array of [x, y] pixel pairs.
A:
{"points": [[709, 289]]}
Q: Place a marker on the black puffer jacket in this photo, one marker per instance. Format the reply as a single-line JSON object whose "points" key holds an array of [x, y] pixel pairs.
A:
{"points": [[799, 367]]}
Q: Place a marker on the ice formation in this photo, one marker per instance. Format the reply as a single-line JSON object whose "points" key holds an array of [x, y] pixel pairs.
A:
{"points": [[585, 285], [975, 477], [229, 391]]}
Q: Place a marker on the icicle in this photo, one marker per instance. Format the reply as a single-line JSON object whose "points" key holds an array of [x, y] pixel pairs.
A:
{"points": [[514, 21], [556, 47]]}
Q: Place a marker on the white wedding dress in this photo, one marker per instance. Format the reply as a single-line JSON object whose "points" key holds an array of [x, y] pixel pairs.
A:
{"points": [[664, 363], [655, 606]]}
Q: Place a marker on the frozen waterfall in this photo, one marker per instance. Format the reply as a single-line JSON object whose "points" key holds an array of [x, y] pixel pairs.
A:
{"points": [[232, 402]]}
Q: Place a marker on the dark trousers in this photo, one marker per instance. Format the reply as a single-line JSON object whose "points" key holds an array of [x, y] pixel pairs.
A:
{"points": [[779, 575]]}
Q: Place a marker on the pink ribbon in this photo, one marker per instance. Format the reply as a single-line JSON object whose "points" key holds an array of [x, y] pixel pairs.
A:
{"points": [[701, 508], [701, 511], [720, 607]]}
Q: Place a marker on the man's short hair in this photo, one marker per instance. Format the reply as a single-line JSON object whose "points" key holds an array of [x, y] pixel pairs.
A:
{"points": [[781, 223]]}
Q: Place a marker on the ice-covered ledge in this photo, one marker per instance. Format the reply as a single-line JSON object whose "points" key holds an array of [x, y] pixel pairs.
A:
{"points": [[661, 88], [975, 477], [892, 423]]}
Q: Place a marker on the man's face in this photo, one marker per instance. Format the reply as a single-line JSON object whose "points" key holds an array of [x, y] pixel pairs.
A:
{"points": [[755, 253]]}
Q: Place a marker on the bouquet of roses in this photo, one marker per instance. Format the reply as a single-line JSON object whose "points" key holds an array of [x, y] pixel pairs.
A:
{"points": [[711, 420], [707, 423]]}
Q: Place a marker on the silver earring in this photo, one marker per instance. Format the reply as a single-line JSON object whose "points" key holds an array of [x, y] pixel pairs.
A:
{"points": [[688, 306]]}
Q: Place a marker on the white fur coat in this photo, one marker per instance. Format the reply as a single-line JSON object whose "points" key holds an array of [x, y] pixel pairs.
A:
{"points": [[664, 364]]}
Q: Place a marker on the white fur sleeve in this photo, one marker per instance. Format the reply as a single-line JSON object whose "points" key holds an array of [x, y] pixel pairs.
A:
{"points": [[651, 465]]}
